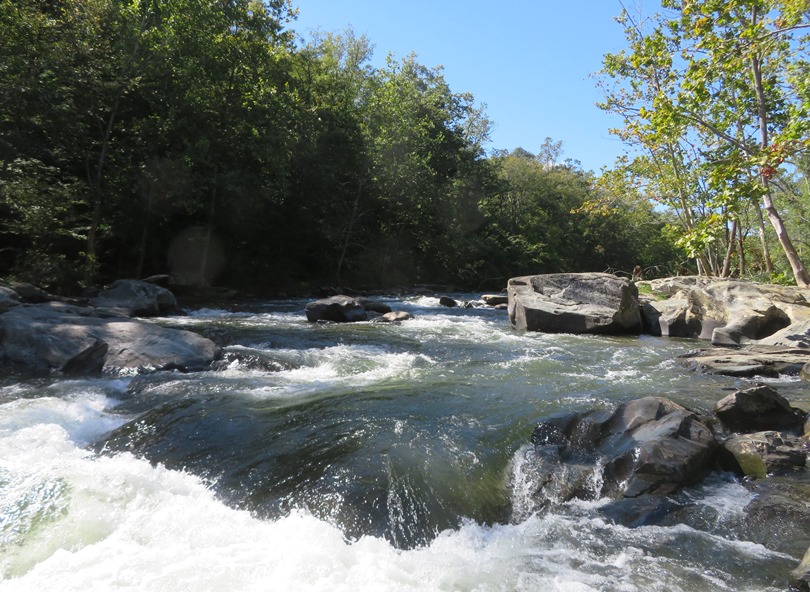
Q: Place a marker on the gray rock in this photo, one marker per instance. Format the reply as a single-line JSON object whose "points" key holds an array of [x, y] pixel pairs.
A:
{"points": [[756, 409], [647, 446], [30, 294], [734, 312], [495, 299], [338, 309], [760, 454], [671, 286], [448, 302], [374, 306], [748, 362], [668, 318], [394, 317], [8, 299], [574, 303], [55, 337], [800, 577], [137, 298]]}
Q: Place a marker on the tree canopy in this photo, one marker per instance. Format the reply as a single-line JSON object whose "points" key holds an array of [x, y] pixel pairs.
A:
{"points": [[207, 140], [714, 96]]}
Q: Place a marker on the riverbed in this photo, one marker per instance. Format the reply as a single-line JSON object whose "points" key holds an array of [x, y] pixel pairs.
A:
{"points": [[354, 457]]}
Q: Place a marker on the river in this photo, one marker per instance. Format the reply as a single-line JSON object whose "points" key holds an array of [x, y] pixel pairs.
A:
{"points": [[361, 457]]}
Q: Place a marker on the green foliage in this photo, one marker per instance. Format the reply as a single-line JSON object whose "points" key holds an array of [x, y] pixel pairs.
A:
{"points": [[204, 139], [714, 97]]}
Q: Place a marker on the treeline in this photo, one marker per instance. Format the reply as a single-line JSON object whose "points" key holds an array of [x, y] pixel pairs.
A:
{"points": [[203, 138]]}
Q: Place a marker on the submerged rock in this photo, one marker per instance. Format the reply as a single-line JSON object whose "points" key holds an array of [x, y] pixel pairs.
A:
{"points": [[647, 446], [598, 303]]}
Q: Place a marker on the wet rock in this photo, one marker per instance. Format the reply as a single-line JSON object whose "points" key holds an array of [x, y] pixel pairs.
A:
{"points": [[778, 515], [574, 303], [448, 302], [58, 338], [760, 454], [394, 317], [137, 298], [647, 446], [800, 577], [495, 299], [338, 309], [374, 306], [748, 362], [758, 408]]}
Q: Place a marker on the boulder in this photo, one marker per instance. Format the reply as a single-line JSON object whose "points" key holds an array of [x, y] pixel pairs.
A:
{"points": [[394, 317], [59, 338], [8, 299], [748, 362], [647, 446], [760, 454], [31, 294], [734, 312], [672, 286], [495, 299], [448, 302], [338, 309], [374, 306], [800, 577], [574, 303], [136, 298], [668, 318], [756, 409]]}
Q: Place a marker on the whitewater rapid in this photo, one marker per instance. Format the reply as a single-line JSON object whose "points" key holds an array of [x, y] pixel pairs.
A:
{"points": [[413, 422]]}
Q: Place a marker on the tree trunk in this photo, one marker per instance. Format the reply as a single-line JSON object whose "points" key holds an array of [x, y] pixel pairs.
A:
{"points": [[344, 247], [799, 272], [766, 250], [732, 235]]}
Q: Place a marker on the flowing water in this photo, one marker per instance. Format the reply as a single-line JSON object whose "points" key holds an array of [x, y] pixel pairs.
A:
{"points": [[352, 457]]}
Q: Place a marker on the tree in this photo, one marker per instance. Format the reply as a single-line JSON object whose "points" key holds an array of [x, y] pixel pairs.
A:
{"points": [[730, 90]]}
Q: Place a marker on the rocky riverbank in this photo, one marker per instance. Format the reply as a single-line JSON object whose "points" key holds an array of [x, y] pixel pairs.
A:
{"points": [[753, 329]]}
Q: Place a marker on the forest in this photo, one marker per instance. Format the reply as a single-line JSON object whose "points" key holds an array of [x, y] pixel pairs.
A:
{"points": [[208, 140]]}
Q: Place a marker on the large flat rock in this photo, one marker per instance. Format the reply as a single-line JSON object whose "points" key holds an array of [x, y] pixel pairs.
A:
{"points": [[59, 338], [750, 361]]}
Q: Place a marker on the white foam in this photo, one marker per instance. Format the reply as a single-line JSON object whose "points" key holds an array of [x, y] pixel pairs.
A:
{"points": [[107, 524]]}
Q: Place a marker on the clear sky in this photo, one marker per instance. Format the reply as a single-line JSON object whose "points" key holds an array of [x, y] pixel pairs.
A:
{"points": [[529, 61]]}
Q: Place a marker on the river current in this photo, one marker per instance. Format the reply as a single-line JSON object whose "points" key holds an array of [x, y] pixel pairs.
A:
{"points": [[356, 457]]}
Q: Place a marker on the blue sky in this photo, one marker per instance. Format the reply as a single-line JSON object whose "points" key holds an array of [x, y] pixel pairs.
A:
{"points": [[529, 61]]}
